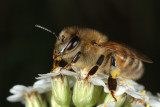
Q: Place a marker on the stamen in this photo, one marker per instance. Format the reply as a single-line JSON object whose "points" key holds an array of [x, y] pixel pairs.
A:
{"points": [[143, 92], [147, 105], [85, 69], [59, 59], [123, 80]]}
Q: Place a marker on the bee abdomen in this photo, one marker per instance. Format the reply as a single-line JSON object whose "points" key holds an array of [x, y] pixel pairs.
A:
{"points": [[138, 72], [131, 68]]}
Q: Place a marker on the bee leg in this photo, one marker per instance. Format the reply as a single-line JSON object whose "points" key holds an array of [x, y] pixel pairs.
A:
{"points": [[112, 81], [76, 57], [74, 60], [114, 70], [112, 85], [96, 44], [56, 63], [94, 69], [100, 60]]}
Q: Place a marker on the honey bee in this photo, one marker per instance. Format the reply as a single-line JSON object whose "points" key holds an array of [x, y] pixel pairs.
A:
{"points": [[84, 47]]}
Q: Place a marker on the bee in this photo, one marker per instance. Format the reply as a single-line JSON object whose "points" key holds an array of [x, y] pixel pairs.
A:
{"points": [[84, 47]]}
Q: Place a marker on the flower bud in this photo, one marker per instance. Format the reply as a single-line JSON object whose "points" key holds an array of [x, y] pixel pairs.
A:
{"points": [[106, 98], [61, 90], [53, 102], [85, 94], [34, 99]]}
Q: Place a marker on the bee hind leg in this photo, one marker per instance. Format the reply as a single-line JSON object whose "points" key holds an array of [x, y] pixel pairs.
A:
{"points": [[114, 73], [112, 85]]}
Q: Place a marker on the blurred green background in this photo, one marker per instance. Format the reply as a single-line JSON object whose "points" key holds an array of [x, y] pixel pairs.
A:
{"points": [[26, 51]]}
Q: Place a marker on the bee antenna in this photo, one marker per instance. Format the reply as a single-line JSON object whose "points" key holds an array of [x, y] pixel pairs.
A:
{"points": [[46, 29]]}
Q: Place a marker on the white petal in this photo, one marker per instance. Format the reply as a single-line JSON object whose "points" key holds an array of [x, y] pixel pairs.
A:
{"points": [[42, 82], [151, 96], [29, 89], [99, 82], [43, 85], [69, 73], [120, 91], [18, 92], [136, 105], [48, 75], [154, 103], [139, 87], [134, 94], [15, 98], [101, 76], [109, 104], [75, 69], [152, 99], [72, 81], [158, 94], [18, 89], [57, 72], [136, 86]]}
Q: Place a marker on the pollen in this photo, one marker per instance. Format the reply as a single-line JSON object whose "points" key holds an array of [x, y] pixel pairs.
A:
{"points": [[85, 69], [105, 105], [143, 92], [59, 59], [147, 105], [115, 73], [123, 80]]}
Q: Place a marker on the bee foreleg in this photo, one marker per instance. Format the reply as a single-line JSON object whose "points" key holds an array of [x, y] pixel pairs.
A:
{"points": [[56, 63], [76, 57]]}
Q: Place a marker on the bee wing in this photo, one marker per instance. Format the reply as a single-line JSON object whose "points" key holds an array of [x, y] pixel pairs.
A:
{"points": [[124, 50]]}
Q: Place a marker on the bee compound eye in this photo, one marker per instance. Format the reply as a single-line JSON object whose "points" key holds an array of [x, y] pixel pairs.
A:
{"points": [[72, 43]]}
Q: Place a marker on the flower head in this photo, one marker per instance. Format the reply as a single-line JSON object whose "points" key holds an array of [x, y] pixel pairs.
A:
{"points": [[18, 92], [85, 93], [61, 90], [42, 85], [88, 91]]}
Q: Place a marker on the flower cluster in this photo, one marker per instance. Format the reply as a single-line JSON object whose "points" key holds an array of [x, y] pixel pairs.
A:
{"points": [[63, 88]]}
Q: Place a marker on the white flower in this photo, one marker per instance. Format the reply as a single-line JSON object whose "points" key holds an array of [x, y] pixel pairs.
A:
{"points": [[46, 78], [99, 82], [130, 87], [124, 85], [57, 72], [152, 100], [18, 92], [43, 85]]}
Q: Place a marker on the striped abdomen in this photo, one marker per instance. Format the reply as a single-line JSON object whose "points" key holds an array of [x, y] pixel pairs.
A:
{"points": [[130, 67]]}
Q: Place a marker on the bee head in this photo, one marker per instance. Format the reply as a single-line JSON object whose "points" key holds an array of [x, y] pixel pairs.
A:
{"points": [[67, 42]]}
